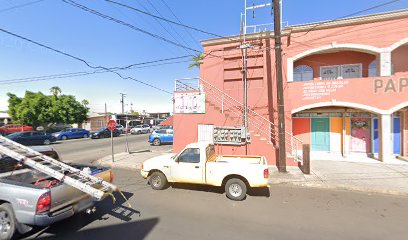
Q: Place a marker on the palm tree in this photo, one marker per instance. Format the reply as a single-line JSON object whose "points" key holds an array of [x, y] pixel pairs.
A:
{"points": [[85, 102], [55, 91], [197, 61]]}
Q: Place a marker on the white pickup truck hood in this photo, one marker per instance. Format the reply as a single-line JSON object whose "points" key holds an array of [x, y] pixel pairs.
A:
{"points": [[158, 162]]}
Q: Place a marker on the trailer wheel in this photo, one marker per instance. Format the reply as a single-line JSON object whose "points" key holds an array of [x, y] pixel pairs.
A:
{"points": [[7, 222], [158, 181], [235, 189]]}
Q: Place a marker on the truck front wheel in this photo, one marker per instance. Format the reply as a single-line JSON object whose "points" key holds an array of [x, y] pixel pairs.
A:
{"points": [[235, 189], [7, 222], [158, 181]]}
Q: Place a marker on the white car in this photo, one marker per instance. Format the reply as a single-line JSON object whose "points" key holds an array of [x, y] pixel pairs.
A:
{"points": [[198, 163], [139, 129]]}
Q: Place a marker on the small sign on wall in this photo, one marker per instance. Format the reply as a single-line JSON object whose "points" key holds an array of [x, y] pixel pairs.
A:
{"points": [[189, 102]]}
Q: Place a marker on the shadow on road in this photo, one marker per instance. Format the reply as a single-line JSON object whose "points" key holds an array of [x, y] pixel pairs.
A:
{"points": [[131, 230], [104, 209], [256, 192]]}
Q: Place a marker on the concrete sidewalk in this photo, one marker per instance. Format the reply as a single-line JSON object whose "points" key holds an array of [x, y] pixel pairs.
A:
{"points": [[374, 177], [132, 160], [366, 176]]}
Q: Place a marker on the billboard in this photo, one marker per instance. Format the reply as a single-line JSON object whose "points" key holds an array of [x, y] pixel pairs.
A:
{"points": [[193, 102]]}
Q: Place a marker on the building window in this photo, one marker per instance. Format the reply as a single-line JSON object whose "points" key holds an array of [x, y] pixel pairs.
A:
{"points": [[372, 69], [341, 71], [302, 73]]}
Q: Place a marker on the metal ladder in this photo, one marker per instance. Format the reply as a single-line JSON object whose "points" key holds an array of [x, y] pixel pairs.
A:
{"points": [[76, 178]]}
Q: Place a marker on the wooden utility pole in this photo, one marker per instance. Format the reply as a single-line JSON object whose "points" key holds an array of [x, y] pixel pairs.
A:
{"points": [[279, 83]]}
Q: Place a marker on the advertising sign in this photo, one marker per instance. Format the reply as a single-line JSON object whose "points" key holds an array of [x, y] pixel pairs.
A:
{"points": [[193, 102]]}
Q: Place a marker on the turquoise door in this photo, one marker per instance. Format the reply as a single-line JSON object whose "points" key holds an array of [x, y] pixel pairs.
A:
{"points": [[320, 134]]}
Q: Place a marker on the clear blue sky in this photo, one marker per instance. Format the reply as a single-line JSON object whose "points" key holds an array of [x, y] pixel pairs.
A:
{"points": [[108, 44]]}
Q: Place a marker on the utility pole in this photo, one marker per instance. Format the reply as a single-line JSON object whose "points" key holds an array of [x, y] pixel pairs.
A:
{"points": [[122, 101], [279, 83], [106, 114]]}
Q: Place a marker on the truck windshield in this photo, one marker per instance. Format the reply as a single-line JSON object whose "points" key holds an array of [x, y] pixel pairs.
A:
{"points": [[210, 153]]}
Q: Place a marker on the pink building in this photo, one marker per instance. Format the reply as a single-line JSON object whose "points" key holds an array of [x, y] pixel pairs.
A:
{"points": [[345, 87]]}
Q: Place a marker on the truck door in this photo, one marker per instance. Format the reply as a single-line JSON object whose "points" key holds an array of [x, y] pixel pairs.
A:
{"points": [[188, 168]]}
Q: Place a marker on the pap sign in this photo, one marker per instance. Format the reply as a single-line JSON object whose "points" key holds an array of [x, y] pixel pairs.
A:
{"points": [[390, 85]]}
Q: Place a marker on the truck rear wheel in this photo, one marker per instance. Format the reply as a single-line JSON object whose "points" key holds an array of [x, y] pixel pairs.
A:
{"points": [[235, 189], [7, 222], [158, 181]]}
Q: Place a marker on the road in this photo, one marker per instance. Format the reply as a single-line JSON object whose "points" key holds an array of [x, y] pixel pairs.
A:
{"points": [[88, 150], [189, 212]]}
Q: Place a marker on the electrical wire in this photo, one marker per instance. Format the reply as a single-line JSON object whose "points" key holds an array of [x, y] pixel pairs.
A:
{"points": [[347, 16], [83, 61], [77, 5], [74, 74], [20, 6], [178, 20]]}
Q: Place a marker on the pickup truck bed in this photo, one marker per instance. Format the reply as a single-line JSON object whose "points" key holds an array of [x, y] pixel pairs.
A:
{"points": [[36, 199]]}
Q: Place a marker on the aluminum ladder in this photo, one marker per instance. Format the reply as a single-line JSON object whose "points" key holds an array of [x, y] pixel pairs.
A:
{"points": [[74, 177]]}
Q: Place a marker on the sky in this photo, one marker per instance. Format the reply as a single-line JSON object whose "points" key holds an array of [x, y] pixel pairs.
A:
{"points": [[107, 44]]}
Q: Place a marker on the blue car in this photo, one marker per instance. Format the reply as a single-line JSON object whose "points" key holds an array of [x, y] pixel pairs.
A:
{"points": [[71, 133], [161, 136]]}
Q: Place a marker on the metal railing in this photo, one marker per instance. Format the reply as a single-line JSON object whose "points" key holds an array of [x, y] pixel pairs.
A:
{"points": [[258, 124]]}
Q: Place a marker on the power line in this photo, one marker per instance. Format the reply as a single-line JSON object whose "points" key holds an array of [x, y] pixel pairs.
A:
{"points": [[20, 6], [165, 29], [75, 4], [170, 21], [178, 20], [171, 26], [82, 60], [349, 15], [76, 74]]}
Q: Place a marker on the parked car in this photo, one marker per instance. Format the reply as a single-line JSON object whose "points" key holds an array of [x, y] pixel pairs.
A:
{"points": [[198, 163], [71, 133], [128, 129], [32, 138], [12, 128], [105, 133], [139, 129], [119, 127], [35, 199], [161, 136]]}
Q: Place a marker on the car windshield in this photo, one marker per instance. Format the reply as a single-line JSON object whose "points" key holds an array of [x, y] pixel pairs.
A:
{"points": [[101, 129], [66, 130]]}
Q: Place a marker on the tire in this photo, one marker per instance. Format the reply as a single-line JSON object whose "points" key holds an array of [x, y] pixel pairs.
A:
{"points": [[158, 181], [101, 136], [47, 142], [64, 138], [7, 222], [235, 189], [156, 142], [139, 132], [85, 135]]}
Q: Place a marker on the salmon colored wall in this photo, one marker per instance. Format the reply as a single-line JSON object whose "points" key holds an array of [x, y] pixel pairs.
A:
{"points": [[223, 64], [399, 58], [338, 58], [301, 129]]}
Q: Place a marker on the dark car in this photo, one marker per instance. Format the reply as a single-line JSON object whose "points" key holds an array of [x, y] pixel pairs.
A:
{"points": [[105, 133], [32, 138]]}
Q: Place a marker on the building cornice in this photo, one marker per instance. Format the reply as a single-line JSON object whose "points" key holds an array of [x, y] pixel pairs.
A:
{"points": [[378, 17]]}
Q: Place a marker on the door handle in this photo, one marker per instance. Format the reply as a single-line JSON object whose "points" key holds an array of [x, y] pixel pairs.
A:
{"points": [[197, 166], [166, 166]]}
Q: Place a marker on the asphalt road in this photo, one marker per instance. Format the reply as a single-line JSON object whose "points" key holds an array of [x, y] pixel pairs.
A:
{"points": [[88, 150], [190, 212]]}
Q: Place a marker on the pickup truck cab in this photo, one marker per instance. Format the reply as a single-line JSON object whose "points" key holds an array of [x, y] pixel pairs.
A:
{"points": [[198, 163]]}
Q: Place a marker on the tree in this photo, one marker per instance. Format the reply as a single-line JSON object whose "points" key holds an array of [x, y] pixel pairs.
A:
{"points": [[55, 91], [85, 102], [134, 113], [196, 61], [37, 109]]}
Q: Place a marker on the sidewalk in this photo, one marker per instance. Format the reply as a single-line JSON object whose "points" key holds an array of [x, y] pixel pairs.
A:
{"points": [[374, 176], [131, 161]]}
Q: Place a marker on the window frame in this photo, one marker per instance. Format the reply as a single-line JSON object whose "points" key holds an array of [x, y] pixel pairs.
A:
{"points": [[189, 149], [302, 73]]}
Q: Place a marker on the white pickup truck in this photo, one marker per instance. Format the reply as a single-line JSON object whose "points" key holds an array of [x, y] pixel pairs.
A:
{"points": [[198, 163]]}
